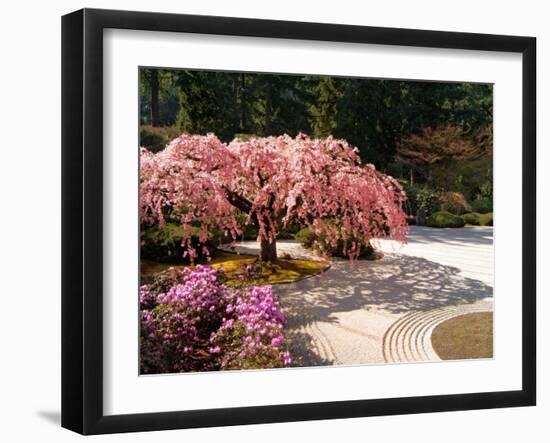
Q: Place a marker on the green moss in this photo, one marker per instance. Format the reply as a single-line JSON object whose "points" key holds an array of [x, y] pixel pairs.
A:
{"points": [[240, 269], [443, 219], [287, 270]]}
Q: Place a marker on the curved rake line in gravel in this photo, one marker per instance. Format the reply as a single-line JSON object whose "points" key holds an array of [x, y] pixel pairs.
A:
{"points": [[409, 338]]}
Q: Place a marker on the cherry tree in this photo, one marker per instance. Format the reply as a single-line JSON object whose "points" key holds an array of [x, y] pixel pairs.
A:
{"points": [[318, 183]]}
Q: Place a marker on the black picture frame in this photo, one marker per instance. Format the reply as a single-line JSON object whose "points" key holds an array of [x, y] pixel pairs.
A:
{"points": [[82, 218]]}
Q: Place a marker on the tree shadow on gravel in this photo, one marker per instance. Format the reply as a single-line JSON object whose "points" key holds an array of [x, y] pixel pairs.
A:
{"points": [[398, 284], [302, 349]]}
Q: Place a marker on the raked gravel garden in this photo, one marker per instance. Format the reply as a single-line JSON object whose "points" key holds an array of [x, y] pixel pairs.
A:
{"points": [[386, 310]]}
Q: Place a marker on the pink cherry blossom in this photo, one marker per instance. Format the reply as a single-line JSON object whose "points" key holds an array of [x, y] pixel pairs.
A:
{"points": [[318, 183]]}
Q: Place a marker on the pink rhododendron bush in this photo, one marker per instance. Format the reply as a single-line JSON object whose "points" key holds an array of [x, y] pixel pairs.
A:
{"points": [[316, 183], [190, 321]]}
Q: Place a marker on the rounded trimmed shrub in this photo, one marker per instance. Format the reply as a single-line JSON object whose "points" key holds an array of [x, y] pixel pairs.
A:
{"points": [[472, 218], [477, 219], [444, 219], [155, 138], [453, 202]]}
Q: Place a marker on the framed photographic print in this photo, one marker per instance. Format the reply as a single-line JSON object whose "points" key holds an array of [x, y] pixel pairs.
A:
{"points": [[269, 221]]}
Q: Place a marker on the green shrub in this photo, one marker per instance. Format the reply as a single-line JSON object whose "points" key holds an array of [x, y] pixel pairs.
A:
{"points": [[482, 205], [365, 251], [486, 219], [305, 237], [472, 218], [486, 189], [309, 240], [477, 219], [289, 232], [245, 137], [410, 206], [156, 138], [217, 237], [453, 202], [427, 199], [163, 244], [249, 232], [443, 219]]}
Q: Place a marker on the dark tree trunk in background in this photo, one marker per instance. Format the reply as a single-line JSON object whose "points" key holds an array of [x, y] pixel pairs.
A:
{"points": [[155, 119], [268, 111], [268, 250], [243, 104]]}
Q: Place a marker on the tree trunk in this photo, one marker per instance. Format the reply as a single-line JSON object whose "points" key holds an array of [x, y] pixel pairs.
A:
{"points": [[243, 126], [155, 119], [268, 112], [268, 250]]}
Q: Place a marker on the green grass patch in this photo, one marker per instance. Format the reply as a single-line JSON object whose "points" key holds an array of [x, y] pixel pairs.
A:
{"points": [[465, 337]]}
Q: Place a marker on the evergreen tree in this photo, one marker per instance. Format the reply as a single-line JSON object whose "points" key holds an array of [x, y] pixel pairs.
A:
{"points": [[324, 109], [374, 115]]}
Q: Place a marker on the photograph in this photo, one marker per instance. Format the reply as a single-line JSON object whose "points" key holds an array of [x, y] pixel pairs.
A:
{"points": [[299, 220]]}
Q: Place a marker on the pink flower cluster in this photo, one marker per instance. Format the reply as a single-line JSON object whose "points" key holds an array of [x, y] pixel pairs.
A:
{"points": [[200, 325], [254, 312]]}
